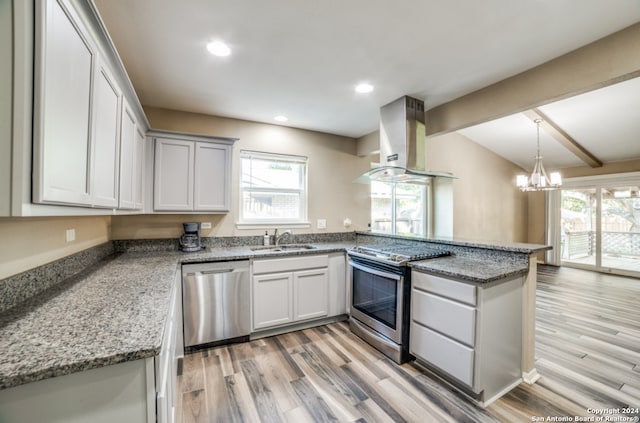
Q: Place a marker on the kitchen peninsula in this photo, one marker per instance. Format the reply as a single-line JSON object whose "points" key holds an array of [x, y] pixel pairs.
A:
{"points": [[113, 314]]}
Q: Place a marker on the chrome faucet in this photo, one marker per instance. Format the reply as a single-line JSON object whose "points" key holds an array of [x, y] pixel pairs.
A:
{"points": [[277, 238]]}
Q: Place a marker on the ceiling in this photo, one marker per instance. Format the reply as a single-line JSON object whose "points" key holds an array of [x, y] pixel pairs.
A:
{"points": [[303, 60], [606, 122]]}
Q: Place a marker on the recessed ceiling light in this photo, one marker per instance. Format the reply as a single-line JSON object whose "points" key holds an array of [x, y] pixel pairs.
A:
{"points": [[281, 118], [364, 88], [218, 48]]}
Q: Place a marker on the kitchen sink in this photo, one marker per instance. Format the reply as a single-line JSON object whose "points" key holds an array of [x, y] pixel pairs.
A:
{"points": [[283, 247]]}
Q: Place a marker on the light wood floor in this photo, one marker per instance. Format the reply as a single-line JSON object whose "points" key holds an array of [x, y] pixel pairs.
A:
{"points": [[587, 351]]}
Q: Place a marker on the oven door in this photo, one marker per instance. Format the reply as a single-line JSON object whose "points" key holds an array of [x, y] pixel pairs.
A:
{"points": [[376, 297]]}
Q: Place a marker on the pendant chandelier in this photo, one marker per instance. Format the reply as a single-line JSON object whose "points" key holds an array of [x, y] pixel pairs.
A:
{"points": [[538, 180]]}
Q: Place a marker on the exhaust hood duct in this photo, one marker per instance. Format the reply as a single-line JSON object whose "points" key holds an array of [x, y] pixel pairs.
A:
{"points": [[402, 145]]}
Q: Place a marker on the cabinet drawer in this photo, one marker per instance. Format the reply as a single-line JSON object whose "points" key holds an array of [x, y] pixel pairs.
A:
{"points": [[442, 352], [445, 316], [290, 264], [446, 287]]}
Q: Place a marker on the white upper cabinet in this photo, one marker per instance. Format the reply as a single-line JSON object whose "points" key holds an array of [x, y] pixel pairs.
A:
{"points": [[173, 177], [192, 173], [131, 160], [63, 84], [127, 151], [212, 181], [138, 168], [105, 151], [88, 141]]}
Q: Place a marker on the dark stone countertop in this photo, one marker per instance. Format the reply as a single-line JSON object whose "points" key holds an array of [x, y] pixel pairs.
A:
{"points": [[477, 270]]}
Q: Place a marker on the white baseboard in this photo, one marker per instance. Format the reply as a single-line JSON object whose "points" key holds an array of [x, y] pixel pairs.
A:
{"points": [[486, 403], [531, 376]]}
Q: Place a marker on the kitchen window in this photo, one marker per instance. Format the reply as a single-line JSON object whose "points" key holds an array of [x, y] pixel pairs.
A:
{"points": [[273, 189], [399, 209]]}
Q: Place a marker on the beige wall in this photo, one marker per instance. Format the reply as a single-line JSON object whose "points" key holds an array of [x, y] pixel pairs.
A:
{"points": [[332, 166], [486, 203], [28, 242]]}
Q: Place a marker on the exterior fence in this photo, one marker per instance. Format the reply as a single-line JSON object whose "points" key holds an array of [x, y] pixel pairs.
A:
{"points": [[583, 244]]}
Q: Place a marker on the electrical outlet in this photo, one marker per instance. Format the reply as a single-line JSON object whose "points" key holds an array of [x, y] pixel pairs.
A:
{"points": [[321, 224], [205, 225], [71, 235]]}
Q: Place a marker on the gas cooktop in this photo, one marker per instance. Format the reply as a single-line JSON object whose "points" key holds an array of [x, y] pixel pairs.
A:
{"points": [[397, 253]]}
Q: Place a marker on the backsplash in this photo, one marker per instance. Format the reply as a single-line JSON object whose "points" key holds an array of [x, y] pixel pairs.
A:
{"points": [[18, 288], [171, 244]]}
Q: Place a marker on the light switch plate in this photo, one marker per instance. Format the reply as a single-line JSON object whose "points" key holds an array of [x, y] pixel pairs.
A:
{"points": [[321, 224], [71, 235], [205, 225]]}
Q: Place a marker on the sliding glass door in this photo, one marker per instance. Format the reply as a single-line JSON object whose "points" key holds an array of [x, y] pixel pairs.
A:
{"points": [[621, 227], [595, 224], [578, 219]]}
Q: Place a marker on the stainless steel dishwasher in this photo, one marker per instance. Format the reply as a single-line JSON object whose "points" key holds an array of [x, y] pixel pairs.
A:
{"points": [[215, 300]]}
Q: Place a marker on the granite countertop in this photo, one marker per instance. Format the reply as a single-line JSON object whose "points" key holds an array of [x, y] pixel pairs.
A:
{"points": [[472, 269], [111, 312], [115, 310]]}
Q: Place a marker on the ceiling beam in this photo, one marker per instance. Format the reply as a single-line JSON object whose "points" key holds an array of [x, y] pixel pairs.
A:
{"points": [[604, 62], [552, 128]]}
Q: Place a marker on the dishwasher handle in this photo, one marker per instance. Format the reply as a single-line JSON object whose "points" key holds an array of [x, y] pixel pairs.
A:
{"points": [[211, 272], [212, 268]]}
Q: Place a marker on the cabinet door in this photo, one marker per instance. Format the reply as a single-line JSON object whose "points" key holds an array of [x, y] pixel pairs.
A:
{"points": [[127, 156], [105, 154], [212, 177], [272, 301], [445, 316], [138, 168], [64, 68], [173, 176], [310, 294], [443, 352], [337, 284]]}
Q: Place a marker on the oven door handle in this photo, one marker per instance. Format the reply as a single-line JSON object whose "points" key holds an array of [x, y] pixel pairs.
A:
{"points": [[374, 271]]}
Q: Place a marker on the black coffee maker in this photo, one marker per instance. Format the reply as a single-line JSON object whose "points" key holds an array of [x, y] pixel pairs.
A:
{"points": [[190, 240]]}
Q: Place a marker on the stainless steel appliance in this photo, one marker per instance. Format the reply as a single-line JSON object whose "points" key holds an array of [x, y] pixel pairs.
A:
{"points": [[402, 145], [190, 240], [380, 295], [215, 300]]}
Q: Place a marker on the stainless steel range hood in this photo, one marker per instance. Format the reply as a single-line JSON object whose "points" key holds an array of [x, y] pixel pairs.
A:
{"points": [[402, 145]]}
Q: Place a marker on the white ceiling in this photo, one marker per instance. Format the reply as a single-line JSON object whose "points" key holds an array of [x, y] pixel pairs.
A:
{"points": [[606, 122], [303, 58]]}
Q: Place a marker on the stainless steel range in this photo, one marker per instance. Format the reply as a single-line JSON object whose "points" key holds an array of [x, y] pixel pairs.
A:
{"points": [[380, 294]]}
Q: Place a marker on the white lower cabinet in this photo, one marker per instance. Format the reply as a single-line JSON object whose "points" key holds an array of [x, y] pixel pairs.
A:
{"points": [[166, 364], [310, 289], [454, 358], [293, 289], [471, 334], [273, 301]]}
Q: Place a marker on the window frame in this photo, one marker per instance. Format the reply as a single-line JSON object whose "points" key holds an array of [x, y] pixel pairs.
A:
{"points": [[427, 196], [249, 223]]}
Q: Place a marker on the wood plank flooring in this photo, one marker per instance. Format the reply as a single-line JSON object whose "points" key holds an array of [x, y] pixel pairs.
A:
{"points": [[587, 351]]}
